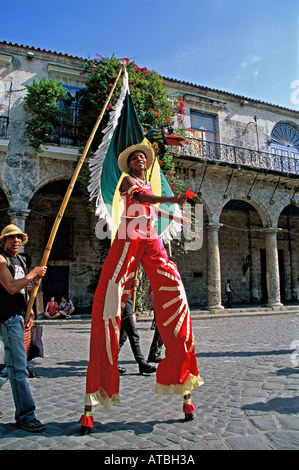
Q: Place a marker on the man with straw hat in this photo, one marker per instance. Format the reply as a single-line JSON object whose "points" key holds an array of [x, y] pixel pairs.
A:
{"points": [[13, 297]]}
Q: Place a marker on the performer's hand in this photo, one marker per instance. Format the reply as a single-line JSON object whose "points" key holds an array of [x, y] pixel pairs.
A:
{"points": [[180, 199]]}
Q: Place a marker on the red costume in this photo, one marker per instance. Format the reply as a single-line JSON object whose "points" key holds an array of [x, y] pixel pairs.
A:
{"points": [[137, 242]]}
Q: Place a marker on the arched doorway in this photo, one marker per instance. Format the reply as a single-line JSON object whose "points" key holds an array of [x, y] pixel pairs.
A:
{"points": [[192, 265], [4, 206], [71, 252], [288, 252], [241, 243]]}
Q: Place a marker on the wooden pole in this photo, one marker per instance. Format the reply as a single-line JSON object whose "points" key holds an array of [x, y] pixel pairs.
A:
{"points": [[66, 199]]}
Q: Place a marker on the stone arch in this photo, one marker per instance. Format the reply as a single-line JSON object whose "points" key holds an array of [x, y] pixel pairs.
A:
{"points": [[3, 191], [207, 215], [241, 240], [288, 251], [4, 208], [77, 248], [65, 176], [255, 204]]}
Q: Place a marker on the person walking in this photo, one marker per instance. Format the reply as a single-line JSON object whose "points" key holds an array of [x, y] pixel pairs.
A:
{"points": [[13, 296], [129, 330], [229, 293], [154, 354]]}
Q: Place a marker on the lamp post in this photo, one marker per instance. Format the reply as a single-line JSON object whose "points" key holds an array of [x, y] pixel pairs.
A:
{"points": [[256, 130]]}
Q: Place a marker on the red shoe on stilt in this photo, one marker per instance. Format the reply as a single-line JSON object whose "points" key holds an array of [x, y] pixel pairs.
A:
{"points": [[188, 409], [86, 424]]}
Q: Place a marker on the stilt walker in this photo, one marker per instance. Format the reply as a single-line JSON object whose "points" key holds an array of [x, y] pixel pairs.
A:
{"points": [[136, 242]]}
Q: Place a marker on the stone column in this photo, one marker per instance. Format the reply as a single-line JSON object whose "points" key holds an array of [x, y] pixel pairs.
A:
{"points": [[272, 269], [253, 279], [213, 268], [18, 217]]}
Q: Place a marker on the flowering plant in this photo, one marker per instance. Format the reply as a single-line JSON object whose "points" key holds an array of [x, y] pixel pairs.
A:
{"points": [[150, 99]]}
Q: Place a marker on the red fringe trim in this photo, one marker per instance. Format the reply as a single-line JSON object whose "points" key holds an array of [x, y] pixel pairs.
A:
{"points": [[86, 421], [189, 408]]}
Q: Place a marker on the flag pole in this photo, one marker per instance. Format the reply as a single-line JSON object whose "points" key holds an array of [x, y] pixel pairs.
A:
{"points": [[67, 197]]}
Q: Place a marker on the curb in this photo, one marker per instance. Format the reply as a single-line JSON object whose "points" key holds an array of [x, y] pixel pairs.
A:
{"points": [[195, 315]]}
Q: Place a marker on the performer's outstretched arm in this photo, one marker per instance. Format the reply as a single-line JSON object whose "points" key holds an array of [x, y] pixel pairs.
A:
{"points": [[141, 197]]}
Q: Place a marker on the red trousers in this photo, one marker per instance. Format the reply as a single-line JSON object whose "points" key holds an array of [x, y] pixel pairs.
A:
{"points": [[177, 373]]}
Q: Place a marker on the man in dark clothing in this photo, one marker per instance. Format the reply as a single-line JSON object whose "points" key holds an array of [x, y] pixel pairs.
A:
{"points": [[128, 329], [229, 293], [13, 298]]}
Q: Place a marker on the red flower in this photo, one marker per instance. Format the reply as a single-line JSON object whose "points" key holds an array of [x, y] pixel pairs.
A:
{"points": [[110, 84], [189, 194]]}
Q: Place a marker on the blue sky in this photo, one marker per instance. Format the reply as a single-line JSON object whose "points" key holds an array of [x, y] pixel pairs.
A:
{"points": [[247, 47]]}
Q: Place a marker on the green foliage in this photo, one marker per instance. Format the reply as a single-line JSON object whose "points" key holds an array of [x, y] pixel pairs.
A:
{"points": [[148, 94], [47, 105]]}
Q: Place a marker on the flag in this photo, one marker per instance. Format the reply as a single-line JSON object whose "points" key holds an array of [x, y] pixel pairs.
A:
{"points": [[122, 131]]}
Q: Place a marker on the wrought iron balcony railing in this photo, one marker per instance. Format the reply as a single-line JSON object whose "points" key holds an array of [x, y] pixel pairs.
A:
{"points": [[65, 137], [286, 162], [3, 126]]}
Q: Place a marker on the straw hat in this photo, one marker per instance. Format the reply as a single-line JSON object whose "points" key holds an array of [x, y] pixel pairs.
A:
{"points": [[12, 230], [123, 157]]}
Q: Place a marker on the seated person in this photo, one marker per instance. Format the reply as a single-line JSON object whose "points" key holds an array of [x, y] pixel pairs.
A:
{"points": [[51, 309], [66, 307]]}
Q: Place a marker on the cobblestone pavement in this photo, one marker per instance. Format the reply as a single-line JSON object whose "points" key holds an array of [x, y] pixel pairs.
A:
{"points": [[250, 399]]}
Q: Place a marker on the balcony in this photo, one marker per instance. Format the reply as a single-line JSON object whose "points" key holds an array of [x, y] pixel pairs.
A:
{"points": [[284, 161], [65, 137]]}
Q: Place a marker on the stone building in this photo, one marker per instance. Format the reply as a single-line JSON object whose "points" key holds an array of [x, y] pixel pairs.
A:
{"points": [[242, 160]]}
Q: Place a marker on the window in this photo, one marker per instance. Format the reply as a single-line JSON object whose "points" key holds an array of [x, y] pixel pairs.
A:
{"points": [[285, 148], [3, 126], [69, 136], [203, 127]]}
